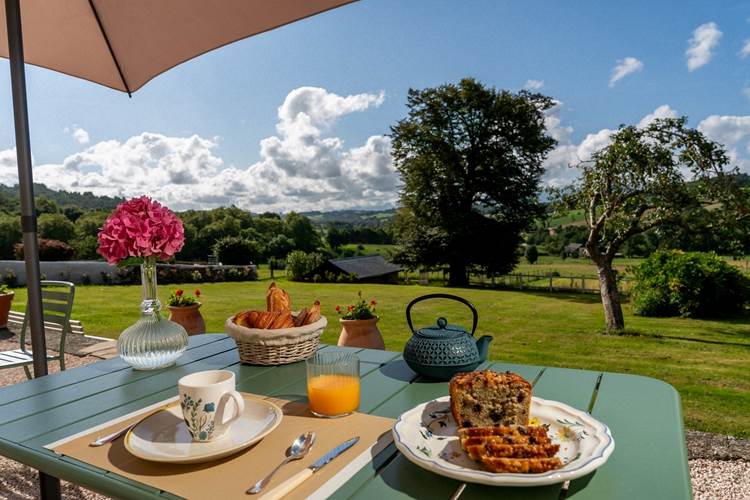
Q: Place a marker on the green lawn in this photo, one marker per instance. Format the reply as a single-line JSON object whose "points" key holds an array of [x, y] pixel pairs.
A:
{"points": [[370, 249], [707, 361]]}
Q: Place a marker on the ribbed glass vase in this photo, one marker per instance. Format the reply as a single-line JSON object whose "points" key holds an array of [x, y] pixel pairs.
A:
{"points": [[153, 342]]}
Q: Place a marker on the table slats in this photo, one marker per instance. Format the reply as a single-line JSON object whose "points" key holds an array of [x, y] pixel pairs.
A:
{"points": [[36, 387], [650, 457]]}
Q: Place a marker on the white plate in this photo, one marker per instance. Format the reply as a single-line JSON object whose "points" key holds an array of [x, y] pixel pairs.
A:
{"points": [[426, 435], [164, 437]]}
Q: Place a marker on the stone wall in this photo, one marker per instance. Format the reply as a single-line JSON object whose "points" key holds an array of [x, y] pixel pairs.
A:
{"points": [[92, 272]]}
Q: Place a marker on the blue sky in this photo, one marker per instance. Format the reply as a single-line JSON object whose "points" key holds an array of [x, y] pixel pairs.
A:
{"points": [[210, 115]]}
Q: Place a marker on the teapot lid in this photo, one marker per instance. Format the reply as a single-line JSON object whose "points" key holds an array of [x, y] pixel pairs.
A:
{"points": [[442, 330]]}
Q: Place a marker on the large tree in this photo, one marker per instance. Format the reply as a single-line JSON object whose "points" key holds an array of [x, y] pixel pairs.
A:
{"points": [[470, 158], [655, 177]]}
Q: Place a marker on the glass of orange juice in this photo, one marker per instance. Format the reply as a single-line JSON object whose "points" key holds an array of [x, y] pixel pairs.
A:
{"points": [[333, 383]]}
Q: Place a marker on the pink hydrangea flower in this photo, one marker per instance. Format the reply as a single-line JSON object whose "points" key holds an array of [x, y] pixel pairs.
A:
{"points": [[141, 227]]}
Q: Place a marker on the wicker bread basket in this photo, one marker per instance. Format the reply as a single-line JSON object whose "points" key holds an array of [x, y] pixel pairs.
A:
{"points": [[276, 347]]}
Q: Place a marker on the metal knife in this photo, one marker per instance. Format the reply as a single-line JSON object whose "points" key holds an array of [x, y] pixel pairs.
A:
{"points": [[300, 477]]}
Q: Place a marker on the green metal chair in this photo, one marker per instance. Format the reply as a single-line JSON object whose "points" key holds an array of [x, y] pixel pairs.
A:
{"points": [[57, 303]]}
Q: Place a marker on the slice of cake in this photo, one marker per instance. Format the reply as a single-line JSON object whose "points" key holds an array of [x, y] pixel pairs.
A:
{"points": [[514, 441], [521, 465], [512, 434], [487, 398], [514, 448]]}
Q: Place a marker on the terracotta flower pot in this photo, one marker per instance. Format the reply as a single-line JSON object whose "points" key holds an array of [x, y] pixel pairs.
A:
{"points": [[5, 301], [361, 333], [189, 317]]}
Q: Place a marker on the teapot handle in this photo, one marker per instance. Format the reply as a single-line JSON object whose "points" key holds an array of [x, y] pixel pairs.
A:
{"points": [[443, 296]]}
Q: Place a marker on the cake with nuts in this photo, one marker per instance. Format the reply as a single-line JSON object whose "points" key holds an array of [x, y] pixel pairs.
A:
{"points": [[487, 399], [491, 411]]}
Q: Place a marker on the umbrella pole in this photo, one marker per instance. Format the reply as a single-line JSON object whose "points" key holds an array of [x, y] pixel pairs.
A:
{"points": [[49, 486]]}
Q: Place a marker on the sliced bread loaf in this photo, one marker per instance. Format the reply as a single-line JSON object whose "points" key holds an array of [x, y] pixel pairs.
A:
{"points": [[487, 398]]}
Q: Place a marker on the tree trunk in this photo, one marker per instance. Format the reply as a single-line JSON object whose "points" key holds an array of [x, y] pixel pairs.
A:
{"points": [[610, 297], [457, 274]]}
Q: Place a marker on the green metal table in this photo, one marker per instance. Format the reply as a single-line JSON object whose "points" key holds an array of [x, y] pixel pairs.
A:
{"points": [[649, 461]]}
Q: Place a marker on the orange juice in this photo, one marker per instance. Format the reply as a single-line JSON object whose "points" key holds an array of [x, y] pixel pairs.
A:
{"points": [[333, 395]]}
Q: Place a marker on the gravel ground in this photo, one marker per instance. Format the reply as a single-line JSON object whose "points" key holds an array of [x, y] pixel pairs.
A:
{"points": [[711, 479], [714, 479]]}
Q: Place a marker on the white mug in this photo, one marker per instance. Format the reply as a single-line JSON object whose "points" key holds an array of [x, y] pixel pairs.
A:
{"points": [[204, 397]]}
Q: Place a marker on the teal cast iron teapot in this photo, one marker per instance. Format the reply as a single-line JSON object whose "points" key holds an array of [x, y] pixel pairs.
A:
{"points": [[442, 350]]}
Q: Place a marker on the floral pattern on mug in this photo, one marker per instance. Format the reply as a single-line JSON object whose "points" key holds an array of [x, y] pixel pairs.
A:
{"points": [[200, 422]]}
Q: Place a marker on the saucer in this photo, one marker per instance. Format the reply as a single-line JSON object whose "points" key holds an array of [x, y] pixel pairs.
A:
{"points": [[164, 437]]}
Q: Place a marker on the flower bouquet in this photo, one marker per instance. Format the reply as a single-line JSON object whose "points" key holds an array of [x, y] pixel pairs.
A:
{"points": [[141, 231]]}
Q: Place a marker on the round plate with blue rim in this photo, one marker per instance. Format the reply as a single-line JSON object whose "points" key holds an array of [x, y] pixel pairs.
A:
{"points": [[427, 436], [164, 437]]}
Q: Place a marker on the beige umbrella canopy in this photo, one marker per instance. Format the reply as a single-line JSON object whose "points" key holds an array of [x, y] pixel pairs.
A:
{"points": [[123, 44]]}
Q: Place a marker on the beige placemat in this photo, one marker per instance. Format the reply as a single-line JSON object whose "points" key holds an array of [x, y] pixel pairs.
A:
{"points": [[230, 477]]}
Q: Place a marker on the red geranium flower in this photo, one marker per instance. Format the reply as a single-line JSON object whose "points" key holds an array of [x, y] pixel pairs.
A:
{"points": [[197, 292], [338, 309], [179, 293], [350, 308], [373, 302]]}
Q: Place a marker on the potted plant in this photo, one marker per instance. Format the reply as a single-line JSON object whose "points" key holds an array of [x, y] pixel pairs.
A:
{"points": [[359, 325], [184, 309], [6, 298]]}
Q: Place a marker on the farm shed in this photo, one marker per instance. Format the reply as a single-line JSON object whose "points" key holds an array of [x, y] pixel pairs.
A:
{"points": [[364, 269]]}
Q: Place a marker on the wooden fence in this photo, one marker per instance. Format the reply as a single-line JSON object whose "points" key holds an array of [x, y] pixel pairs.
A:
{"points": [[548, 282], [520, 281]]}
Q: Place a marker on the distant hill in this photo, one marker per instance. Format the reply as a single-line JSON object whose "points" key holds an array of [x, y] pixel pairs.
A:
{"points": [[9, 198], [369, 218]]}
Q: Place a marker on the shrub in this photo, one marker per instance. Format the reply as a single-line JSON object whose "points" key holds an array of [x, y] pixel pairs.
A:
{"points": [[300, 265], [10, 234], [49, 250], [85, 248], [532, 254], [10, 279], [692, 284], [233, 250], [56, 227]]}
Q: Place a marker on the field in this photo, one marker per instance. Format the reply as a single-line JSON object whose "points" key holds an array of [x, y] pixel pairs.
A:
{"points": [[705, 360], [370, 249]]}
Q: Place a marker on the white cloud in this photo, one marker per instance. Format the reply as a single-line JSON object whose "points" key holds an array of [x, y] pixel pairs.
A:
{"points": [[560, 164], [302, 167], [663, 111], [734, 133], [701, 45], [624, 67], [745, 51], [79, 134], [533, 84], [731, 131], [746, 92]]}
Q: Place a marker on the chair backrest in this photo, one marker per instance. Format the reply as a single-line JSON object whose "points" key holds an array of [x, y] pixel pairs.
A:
{"points": [[57, 304]]}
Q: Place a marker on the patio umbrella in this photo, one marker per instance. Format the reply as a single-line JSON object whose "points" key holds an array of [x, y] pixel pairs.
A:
{"points": [[121, 44]]}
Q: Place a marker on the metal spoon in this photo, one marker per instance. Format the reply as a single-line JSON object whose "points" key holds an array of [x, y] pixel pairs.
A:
{"points": [[297, 450]]}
